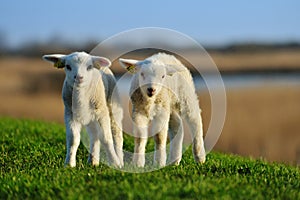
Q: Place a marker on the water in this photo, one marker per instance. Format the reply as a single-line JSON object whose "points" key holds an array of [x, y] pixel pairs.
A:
{"points": [[233, 81]]}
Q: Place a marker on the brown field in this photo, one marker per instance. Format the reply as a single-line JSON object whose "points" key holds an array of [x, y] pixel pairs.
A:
{"points": [[261, 121], [283, 59]]}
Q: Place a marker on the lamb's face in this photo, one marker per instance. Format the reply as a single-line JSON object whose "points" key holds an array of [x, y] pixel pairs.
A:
{"points": [[152, 72], [151, 79], [79, 68]]}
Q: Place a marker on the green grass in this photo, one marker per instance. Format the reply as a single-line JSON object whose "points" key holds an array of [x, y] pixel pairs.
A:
{"points": [[32, 157]]}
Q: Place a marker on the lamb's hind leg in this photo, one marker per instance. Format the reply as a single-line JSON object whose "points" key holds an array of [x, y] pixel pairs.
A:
{"points": [[107, 140], [176, 138], [195, 125], [116, 116]]}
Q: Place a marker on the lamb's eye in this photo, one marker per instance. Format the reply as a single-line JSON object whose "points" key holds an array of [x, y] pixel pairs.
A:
{"points": [[142, 74], [163, 76], [68, 67], [90, 67]]}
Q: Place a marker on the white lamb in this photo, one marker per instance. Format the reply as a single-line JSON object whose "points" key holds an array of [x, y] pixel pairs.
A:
{"points": [[87, 96], [162, 92]]}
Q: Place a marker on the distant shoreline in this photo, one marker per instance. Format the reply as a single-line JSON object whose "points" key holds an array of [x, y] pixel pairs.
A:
{"points": [[282, 60]]}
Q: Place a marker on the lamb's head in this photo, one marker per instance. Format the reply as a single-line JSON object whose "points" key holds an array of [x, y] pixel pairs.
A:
{"points": [[79, 66], [152, 74]]}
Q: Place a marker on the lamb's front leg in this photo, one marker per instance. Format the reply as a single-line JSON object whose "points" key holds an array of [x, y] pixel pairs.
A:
{"points": [[140, 131], [93, 130], [160, 132], [73, 129]]}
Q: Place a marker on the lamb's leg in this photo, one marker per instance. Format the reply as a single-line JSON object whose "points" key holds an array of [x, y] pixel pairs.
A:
{"points": [[141, 135], [139, 151], [195, 125], [73, 140], [107, 140], [116, 116], [94, 134], [160, 132], [176, 138]]}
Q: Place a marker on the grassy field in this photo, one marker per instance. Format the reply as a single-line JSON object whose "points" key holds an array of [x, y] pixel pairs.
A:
{"points": [[260, 122], [32, 156]]}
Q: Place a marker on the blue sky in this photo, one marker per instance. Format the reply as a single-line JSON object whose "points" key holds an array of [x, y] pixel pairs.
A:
{"points": [[209, 22]]}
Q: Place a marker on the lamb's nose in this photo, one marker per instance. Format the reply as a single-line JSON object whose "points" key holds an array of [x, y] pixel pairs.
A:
{"points": [[151, 90], [78, 77]]}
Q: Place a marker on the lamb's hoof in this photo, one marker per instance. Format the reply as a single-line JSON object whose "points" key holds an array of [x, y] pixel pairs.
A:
{"points": [[138, 161], [116, 164], [121, 158], [176, 162], [159, 165], [92, 161], [139, 165], [121, 164], [200, 159], [70, 163]]}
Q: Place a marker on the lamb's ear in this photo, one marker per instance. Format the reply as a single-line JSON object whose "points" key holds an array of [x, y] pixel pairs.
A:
{"points": [[130, 65], [56, 59], [172, 69], [100, 62]]}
